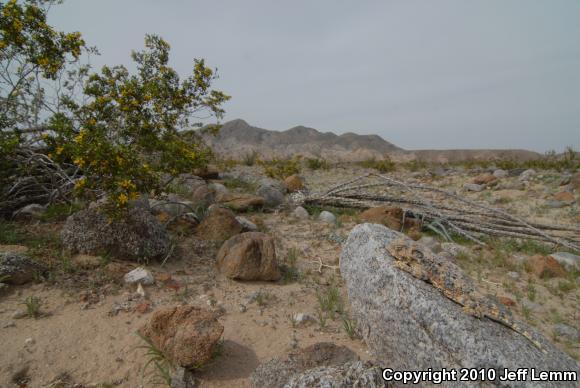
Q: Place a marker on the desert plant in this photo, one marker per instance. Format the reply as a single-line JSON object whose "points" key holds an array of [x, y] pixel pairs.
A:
{"points": [[33, 305], [321, 317], [382, 165], [130, 130], [317, 164], [281, 168], [250, 158], [290, 272], [161, 374], [349, 326], [330, 301]]}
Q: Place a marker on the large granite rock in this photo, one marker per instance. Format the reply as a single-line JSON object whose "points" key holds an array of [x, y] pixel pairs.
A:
{"points": [[278, 371], [136, 235], [356, 374], [410, 325]]}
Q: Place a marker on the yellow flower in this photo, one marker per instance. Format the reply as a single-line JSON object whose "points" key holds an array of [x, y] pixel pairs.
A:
{"points": [[59, 150], [80, 137], [123, 198], [80, 183], [79, 161]]}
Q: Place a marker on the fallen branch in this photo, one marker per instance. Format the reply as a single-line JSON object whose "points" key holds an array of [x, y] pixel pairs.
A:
{"points": [[443, 211]]}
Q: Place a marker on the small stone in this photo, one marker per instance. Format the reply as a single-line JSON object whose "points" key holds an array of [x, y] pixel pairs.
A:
{"points": [[8, 324], [484, 179], [29, 341], [139, 275], [143, 307], [564, 196], [218, 188], [33, 211], [513, 275], [527, 175], [567, 259], [273, 196], [499, 173], [473, 187], [19, 314], [243, 308], [247, 225], [300, 213], [327, 217], [294, 183], [140, 291], [302, 319]]}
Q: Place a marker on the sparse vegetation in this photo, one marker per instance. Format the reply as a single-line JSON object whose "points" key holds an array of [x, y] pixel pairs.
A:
{"points": [[381, 165], [250, 158], [330, 301], [349, 326], [290, 272], [281, 168], [33, 305], [317, 164], [162, 366]]}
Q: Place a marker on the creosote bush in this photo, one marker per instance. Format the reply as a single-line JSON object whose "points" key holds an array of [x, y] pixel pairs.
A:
{"points": [[123, 131]]}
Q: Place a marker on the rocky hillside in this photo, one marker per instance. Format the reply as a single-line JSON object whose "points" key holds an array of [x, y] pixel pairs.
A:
{"points": [[238, 138]]}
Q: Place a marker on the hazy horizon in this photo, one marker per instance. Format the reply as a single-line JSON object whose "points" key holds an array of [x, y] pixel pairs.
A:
{"points": [[422, 75]]}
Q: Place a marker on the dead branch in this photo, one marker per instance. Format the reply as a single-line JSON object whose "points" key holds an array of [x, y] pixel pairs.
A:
{"points": [[445, 211]]}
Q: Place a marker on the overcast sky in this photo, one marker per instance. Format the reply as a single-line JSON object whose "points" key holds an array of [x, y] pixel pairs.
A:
{"points": [[420, 73]]}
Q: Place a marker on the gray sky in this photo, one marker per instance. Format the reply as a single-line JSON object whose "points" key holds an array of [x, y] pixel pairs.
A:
{"points": [[420, 73]]}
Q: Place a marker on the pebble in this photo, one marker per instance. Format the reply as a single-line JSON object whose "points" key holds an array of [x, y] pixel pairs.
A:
{"points": [[327, 216], [139, 275], [300, 213]]}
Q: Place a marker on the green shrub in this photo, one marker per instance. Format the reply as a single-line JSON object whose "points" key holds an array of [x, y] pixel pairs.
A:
{"points": [[383, 165], [281, 168], [317, 164]]}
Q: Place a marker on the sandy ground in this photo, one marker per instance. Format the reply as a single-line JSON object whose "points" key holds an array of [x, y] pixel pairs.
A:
{"points": [[88, 335]]}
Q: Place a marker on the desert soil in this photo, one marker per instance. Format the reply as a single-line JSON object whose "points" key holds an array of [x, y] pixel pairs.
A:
{"points": [[87, 335]]}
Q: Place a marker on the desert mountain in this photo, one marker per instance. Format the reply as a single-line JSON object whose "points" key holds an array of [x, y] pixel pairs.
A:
{"points": [[238, 138]]}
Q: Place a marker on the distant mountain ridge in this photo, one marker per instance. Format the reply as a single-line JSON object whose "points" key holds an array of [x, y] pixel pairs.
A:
{"points": [[237, 138]]}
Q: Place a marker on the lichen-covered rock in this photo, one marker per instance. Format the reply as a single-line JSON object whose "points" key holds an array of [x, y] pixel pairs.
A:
{"points": [[219, 225], [249, 256], [278, 371], [187, 335], [410, 325], [17, 268], [350, 375], [135, 235]]}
